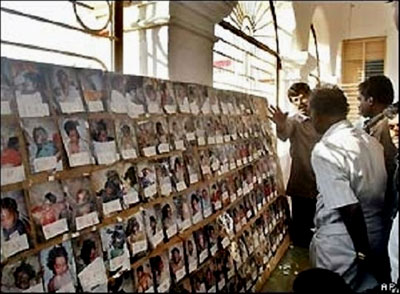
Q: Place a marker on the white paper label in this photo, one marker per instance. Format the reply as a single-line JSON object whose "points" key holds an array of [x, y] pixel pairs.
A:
{"points": [[95, 106], [93, 275], [184, 107], [157, 238], [149, 151], [232, 165], [192, 266], [139, 246], [219, 139], [244, 221], [172, 231], [259, 206], [78, 159], [128, 153], [170, 108], [111, 206], [122, 260], [150, 191], [225, 242], [164, 286], [215, 108], [201, 141], [248, 214], [238, 162], [154, 108], [131, 197], [190, 136], [245, 161], [69, 288], [233, 197], [32, 108], [185, 224], [251, 186], [206, 169], [179, 145], [194, 108], [163, 147], [44, 163], [227, 138], [225, 168], [218, 205], [207, 212], [5, 108], [193, 178], [38, 288], [203, 256], [259, 180], [265, 259], [180, 274], [55, 228], [225, 196], [212, 290], [221, 284], [214, 250], [181, 186], [197, 217], [215, 166], [87, 220], [106, 157], [239, 191], [166, 189], [15, 245], [10, 175], [71, 107], [231, 273]]}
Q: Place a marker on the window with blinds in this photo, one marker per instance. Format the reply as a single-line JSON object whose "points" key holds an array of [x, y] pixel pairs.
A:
{"points": [[361, 58]]}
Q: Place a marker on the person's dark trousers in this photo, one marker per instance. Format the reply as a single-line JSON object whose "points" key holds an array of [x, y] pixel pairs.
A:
{"points": [[303, 211]]}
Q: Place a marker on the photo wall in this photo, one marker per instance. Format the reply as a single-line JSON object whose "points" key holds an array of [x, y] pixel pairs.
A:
{"points": [[114, 182]]}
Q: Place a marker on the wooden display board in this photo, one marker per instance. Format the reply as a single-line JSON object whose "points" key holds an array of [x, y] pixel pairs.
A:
{"points": [[114, 176]]}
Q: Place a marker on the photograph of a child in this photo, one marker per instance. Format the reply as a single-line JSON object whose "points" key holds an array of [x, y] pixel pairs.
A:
{"points": [[126, 138], [205, 163], [130, 184], [168, 217], [152, 92], [143, 278], [103, 137], [164, 177], [177, 132], [115, 249], [210, 129], [12, 169], [93, 83], [215, 163], [89, 262], [204, 195], [59, 268], [136, 236], [135, 96], [204, 102], [177, 261], [118, 102], [182, 97], [211, 286], [199, 284], [168, 101], [22, 276], [15, 228], [195, 207], [225, 192], [82, 202], [189, 128], [147, 138], [76, 139], [216, 197], [200, 130], [162, 135], [191, 254], [201, 244], [65, 89], [147, 179], [178, 173], [7, 91], [44, 143], [160, 266], [214, 100], [193, 93], [50, 210], [182, 212], [109, 188], [154, 227], [30, 87], [192, 167]]}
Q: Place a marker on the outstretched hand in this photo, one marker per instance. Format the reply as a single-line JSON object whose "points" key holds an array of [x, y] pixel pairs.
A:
{"points": [[277, 116]]}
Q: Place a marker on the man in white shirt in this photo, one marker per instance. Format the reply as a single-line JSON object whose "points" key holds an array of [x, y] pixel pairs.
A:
{"points": [[351, 179]]}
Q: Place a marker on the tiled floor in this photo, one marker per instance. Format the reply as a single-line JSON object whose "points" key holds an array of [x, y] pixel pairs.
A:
{"points": [[294, 261]]}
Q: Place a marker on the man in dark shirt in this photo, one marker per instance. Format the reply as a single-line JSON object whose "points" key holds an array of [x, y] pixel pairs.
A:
{"points": [[301, 186]]}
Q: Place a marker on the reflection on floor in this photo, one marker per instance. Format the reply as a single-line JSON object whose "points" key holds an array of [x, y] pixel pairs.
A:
{"points": [[293, 262]]}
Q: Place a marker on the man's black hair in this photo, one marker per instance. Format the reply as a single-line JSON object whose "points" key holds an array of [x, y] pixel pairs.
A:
{"points": [[329, 101], [378, 87]]}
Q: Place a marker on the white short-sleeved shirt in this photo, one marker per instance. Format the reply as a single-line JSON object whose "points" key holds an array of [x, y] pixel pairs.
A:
{"points": [[350, 168]]}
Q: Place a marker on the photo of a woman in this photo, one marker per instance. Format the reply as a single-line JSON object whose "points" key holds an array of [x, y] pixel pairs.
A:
{"points": [[168, 100], [161, 131], [182, 97], [135, 236], [168, 216], [126, 138], [160, 267], [152, 93], [102, 133], [144, 278]]}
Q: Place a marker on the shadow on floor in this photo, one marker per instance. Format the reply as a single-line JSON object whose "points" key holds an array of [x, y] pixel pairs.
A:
{"points": [[295, 260]]}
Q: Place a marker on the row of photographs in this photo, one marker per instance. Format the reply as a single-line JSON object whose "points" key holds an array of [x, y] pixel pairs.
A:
{"points": [[38, 89], [88, 262], [72, 205], [105, 141]]}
